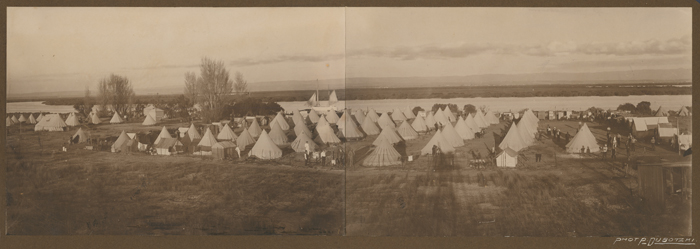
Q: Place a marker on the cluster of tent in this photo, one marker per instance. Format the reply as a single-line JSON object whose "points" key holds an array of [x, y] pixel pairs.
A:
{"points": [[12, 119], [451, 136], [663, 111], [519, 136]]}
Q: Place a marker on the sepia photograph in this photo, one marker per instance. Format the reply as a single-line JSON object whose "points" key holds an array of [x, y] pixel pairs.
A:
{"points": [[545, 122], [167, 121], [349, 121]]}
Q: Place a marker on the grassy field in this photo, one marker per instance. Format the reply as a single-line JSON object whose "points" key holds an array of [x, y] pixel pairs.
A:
{"points": [[564, 195], [82, 192]]}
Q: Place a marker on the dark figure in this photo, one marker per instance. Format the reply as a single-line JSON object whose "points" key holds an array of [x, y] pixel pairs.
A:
{"points": [[605, 151], [588, 150], [653, 144], [436, 126], [612, 153], [538, 157], [583, 149], [435, 151], [350, 157], [568, 136]]}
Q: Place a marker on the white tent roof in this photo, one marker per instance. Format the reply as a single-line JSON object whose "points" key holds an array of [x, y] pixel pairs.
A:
{"points": [[370, 127], [406, 131], [419, 124], [277, 135], [265, 148], [385, 120], [452, 136], [226, 134], [463, 130], [244, 139], [208, 139], [439, 140], [513, 140], [383, 155], [254, 128], [116, 119], [389, 134], [163, 134], [583, 137]]}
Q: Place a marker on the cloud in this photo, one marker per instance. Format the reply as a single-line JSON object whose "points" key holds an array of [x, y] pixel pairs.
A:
{"points": [[675, 46], [165, 66], [243, 62], [671, 62]]}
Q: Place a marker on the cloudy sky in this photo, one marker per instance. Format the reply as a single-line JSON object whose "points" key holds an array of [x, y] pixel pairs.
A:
{"points": [[59, 49], [385, 42], [66, 49]]}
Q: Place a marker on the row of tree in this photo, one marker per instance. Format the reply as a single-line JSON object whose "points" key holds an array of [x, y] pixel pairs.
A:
{"points": [[209, 90], [642, 108]]}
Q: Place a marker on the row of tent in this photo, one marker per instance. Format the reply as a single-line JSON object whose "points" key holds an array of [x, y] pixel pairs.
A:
{"points": [[54, 122], [451, 136], [662, 111]]}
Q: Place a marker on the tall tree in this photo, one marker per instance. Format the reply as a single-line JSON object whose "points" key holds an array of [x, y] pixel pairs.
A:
{"points": [[116, 91], [88, 102], [240, 84], [644, 108], [191, 87], [212, 85]]}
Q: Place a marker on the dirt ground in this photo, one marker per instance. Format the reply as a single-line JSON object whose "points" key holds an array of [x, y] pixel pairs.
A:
{"points": [[563, 195], [83, 192]]}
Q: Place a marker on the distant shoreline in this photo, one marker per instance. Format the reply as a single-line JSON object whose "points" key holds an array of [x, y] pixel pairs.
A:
{"points": [[548, 90]]}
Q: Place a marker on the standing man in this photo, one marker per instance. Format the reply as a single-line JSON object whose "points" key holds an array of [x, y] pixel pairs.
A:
{"points": [[653, 143], [323, 158], [605, 151], [350, 157], [238, 151], [307, 148], [435, 151], [612, 154]]}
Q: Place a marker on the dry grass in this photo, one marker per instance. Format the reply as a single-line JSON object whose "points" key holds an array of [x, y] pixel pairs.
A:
{"points": [[564, 197], [87, 192]]}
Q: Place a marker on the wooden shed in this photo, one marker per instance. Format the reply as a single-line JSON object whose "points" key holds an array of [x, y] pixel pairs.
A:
{"points": [[661, 178]]}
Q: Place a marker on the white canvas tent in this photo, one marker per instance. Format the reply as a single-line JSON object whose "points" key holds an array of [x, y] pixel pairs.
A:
{"points": [[583, 138], [452, 136], [389, 134], [370, 127], [277, 135], [226, 134], [265, 148], [419, 124], [439, 140], [72, 120], [116, 119], [383, 155], [406, 131], [463, 130], [163, 134], [254, 128], [385, 121], [513, 139], [244, 139], [507, 158]]}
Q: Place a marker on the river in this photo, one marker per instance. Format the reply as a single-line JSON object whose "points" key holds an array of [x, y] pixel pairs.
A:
{"points": [[672, 102]]}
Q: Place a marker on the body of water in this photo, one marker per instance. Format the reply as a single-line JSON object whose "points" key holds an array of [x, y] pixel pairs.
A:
{"points": [[36, 107], [672, 102]]}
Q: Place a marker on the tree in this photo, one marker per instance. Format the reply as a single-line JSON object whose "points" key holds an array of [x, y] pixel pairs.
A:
{"points": [[644, 108], [240, 84], [469, 108], [452, 107], [253, 106], [191, 87], [86, 106], [417, 109], [211, 86], [627, 107], [116, 91]]}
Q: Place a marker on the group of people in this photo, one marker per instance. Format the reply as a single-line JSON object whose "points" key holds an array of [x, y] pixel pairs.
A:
{"points": [[333, 155], [613, 143], [556, 134]]}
